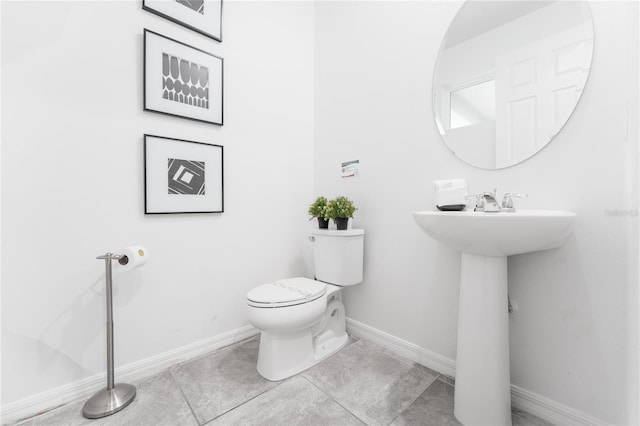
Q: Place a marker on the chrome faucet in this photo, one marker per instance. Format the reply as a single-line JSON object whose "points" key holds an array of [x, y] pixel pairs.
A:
{"points": [[487, 202]]}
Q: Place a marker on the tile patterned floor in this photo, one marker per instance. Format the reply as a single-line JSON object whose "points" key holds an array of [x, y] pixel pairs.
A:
{"points": [[364, 384]]}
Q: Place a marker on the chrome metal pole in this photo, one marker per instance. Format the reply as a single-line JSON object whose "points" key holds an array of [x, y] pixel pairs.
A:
{"points": [[114, 397], [110, 367]]}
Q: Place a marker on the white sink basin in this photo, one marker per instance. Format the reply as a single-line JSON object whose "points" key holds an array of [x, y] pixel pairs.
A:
{"points": [[483, 385], [498, 234]]}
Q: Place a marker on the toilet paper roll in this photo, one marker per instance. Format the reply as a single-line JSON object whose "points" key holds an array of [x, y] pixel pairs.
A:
{"points": [[132, 257]]}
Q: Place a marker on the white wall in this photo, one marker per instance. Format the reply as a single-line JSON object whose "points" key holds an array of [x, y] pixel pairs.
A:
{"points": [[72, 184], [574, 337], [356, 76]]}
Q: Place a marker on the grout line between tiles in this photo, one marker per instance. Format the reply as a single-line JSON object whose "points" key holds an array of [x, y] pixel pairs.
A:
{"points": [[175, 380], [242, 403], [446, 380], [401, 412], [333, 399], [415, 399]]}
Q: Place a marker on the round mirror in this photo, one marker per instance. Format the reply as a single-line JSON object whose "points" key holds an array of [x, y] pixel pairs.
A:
{"points": [[508, 76]]}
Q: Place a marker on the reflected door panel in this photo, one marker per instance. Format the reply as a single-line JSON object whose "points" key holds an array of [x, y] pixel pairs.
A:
{"points": [[537, 88], [571, 60], [520, 92], [522, 141]]}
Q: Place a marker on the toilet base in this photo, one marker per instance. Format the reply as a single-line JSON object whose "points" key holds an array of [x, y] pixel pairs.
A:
{"points": [[280, 358], [283, 355], [329, 344]]}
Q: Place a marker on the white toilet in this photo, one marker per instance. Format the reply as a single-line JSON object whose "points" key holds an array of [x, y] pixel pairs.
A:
{"points": [[302, 320]]}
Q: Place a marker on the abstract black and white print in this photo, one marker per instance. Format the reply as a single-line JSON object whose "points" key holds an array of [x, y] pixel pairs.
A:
{"points": [[195, 5], [186, 177], [185, 82]]}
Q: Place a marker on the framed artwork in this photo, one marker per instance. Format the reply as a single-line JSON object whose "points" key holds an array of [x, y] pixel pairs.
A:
{"points": [[203, 16], [181, 80], [182, 176]]}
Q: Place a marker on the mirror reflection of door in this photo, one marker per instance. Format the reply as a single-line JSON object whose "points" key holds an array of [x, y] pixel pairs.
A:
{"points": [[508, 76], [537, 87]]}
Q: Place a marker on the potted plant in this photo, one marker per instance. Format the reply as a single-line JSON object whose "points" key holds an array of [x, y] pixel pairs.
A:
{"points": [[340, 210], [317, 209]]}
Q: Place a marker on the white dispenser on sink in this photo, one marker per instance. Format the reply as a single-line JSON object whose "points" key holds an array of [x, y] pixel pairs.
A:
{"points": [[451, 194]]}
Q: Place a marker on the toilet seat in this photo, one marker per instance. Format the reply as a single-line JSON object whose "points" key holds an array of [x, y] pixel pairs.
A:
{"points": [[288, 292]]}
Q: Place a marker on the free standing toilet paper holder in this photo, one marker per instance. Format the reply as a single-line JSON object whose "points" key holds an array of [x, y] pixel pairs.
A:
{"points": [[114, 397]]}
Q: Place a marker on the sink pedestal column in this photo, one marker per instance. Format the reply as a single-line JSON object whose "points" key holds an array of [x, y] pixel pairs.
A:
{"points": [[483, 385]]}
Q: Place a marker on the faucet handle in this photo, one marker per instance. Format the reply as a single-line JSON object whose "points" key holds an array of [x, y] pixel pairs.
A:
{"points": [[507, 202], [480, 201]]}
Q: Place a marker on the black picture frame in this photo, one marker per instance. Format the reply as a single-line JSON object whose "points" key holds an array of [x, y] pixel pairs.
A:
{"points": [[202, 16], [181, 80], [182, 176]]}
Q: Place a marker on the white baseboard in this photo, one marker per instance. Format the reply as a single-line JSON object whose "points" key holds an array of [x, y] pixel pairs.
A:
{"points": [[550, 410], [415, 353], [532, 403], [51, 399]]}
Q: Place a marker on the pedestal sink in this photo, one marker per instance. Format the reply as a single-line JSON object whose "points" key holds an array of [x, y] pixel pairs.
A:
{"points": [[483, 386]]}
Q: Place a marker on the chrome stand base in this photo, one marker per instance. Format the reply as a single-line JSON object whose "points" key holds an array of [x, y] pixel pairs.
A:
{"points": [[107, 402]]}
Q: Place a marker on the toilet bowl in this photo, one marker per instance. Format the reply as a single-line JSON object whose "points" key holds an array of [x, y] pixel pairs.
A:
{"points": [[302, 320], [295, 334]]}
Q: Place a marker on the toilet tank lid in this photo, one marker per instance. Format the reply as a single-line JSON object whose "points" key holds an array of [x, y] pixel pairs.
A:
{"points": [[289, 290], [336, 233]]}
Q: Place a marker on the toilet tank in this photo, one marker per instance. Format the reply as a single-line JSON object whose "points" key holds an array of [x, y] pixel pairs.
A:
{"points": [[338, 256]]}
